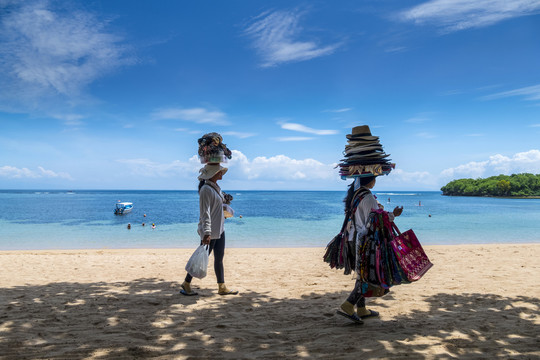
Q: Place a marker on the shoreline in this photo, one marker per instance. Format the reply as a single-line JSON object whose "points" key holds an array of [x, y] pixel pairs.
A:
{"points": [[119, 303], [192, 248]]}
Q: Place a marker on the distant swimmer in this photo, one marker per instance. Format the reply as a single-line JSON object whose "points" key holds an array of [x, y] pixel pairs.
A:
{"points": [[153, 226], [129, 226]]}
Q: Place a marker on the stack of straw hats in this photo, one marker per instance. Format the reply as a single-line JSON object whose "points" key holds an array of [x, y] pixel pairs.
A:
{"points": [[212, 150], [364, 155]]}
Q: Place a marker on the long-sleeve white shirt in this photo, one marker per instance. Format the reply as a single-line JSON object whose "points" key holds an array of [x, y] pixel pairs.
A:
{"points": [[361, 215], [211, 219]]}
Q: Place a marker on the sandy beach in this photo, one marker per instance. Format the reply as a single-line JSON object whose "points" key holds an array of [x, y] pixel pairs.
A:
{"points": [[478, 301]]}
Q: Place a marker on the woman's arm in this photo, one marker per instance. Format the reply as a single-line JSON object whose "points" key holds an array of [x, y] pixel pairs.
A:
{"points": [[204, 213]]}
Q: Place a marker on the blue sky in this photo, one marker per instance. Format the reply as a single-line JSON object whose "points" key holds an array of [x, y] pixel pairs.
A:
{"points": [[115, 94]]}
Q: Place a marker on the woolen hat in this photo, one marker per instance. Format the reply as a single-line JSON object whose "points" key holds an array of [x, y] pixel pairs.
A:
{"points": [[209, 170]]}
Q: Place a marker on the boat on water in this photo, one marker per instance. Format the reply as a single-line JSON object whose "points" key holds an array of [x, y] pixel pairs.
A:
{"points": [[123, 208]]}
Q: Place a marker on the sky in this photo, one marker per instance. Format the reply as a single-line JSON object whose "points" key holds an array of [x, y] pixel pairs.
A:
{"points": [[114, 94]]}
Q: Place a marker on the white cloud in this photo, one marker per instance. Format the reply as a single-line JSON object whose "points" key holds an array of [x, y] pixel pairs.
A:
{"points": [[303, 128], [276, 36], [20, 173], [399, 177], [275, 168], [196, 115], [279, 168], [48, 51], [523, 162], [530, 93], [455, 15]]}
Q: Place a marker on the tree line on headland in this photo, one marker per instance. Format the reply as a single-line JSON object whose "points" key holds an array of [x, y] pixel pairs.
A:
{"points": [[518, 185]]}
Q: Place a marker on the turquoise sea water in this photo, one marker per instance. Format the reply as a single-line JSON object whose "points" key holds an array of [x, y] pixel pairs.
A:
{"points": [[85, 219]]}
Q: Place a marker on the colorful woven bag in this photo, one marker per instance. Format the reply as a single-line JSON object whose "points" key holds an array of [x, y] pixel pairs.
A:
{"points": [[409, 252]]}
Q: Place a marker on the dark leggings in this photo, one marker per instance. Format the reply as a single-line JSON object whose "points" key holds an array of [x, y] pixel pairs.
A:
{"points": [[218, 245], [356, 297]]}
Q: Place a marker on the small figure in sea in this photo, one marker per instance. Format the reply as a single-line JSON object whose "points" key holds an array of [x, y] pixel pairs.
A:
{"points": [[143, 224], [419, 203], [240, 216], [429, 215], [144, 215], [129, 226], [153, 226], [211, 225]]}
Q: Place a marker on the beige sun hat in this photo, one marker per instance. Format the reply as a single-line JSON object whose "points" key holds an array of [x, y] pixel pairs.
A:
{"points": [[209, 170]]}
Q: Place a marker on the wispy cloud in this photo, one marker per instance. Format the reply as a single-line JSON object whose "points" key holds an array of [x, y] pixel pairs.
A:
{"points": [[426, 135], [535, 125], [338, 110], [51, 51], [276, 39], [305, 129], [529, 93], [455, 15], [13, 172], [528, 161], [196, 115], [417, 120]]}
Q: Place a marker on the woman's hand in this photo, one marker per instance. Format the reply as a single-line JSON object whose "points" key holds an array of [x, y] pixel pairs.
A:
{"points": [[398, 210], [206, 240]]}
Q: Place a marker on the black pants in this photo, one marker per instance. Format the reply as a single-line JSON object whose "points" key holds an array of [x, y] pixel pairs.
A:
{"points": [[356, 297], [218, 245]]}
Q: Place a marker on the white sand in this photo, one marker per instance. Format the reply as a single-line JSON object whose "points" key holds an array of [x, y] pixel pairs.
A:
{"points": [[478, 301]]}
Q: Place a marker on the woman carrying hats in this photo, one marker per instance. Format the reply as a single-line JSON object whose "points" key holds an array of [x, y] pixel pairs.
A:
{"points": [[364, 160], [360, 196], [211, 224]]}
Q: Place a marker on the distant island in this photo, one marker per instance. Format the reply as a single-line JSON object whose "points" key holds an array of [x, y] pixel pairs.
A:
{"points": [[515, 185]]}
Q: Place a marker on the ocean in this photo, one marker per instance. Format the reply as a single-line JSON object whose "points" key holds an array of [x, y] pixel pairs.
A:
{"points": [[84, 219]]}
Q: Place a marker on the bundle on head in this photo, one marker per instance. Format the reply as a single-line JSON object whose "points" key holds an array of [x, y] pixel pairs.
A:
{"points": [[212, 149]]}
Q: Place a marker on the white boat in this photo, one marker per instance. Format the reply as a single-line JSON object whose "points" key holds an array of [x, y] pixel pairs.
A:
{"points": [[123, 208]]}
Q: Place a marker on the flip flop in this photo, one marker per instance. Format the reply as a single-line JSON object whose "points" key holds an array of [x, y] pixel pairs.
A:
{"points": [[230, 292], [352, 317], [372, 313], [184, 292]]}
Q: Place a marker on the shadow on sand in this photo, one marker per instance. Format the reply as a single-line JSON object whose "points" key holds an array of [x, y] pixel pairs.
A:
{"points": [[147, 318]]}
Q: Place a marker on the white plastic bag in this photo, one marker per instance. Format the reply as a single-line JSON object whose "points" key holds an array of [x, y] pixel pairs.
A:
{"points": [[198, 262]]}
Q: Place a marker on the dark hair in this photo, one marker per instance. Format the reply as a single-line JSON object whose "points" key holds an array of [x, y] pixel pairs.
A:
{"points": [[350, 192], [201, 183], [366, 180]]}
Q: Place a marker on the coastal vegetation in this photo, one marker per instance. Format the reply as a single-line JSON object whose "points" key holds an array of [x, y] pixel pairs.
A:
{"points": [[515, 185]]}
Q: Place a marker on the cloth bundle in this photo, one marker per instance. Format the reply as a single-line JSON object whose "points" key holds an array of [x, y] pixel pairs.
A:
{"points": [[212, 149], [364, 155], [376, 261]]}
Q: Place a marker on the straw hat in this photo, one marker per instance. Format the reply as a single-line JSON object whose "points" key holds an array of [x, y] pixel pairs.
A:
{"points": [[210, 170]]}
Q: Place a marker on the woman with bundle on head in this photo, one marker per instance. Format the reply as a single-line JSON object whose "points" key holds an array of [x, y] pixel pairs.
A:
{"points": [[361, 203], [211, 224], [362, 244]]}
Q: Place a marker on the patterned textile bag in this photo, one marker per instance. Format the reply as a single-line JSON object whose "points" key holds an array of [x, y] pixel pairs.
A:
{"points": [[411, 256]]}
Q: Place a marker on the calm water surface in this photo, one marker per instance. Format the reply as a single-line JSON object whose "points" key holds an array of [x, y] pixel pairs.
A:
{"points": [[85, 219]]}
